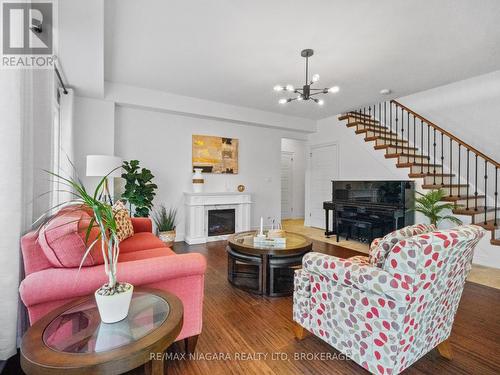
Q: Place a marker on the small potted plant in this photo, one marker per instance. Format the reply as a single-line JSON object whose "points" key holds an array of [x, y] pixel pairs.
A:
{"points": [[165, 224], [113, 298], [431, 206]]}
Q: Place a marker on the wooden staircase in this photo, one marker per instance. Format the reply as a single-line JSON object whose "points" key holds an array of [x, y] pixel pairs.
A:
{"points": [[436, 156]]}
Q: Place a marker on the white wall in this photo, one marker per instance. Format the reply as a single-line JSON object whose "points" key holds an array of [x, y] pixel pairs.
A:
{"points": [[162, 143], [298, 148], [468, 109], [94, 132]]}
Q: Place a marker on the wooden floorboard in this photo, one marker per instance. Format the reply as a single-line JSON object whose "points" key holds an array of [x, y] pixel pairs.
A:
{"points": [[238, 322]]}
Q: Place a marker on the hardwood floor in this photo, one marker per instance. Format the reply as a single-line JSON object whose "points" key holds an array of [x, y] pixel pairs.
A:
{"points": [[248, 334], [238, 322]]}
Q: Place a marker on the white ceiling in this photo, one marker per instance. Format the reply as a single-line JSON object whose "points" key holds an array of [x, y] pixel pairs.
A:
{"points": [[235, 51]]}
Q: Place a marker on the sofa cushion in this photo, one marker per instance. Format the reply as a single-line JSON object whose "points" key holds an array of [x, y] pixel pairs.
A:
{"points": [[62, 240], [141, 241], [144, 254], [379, 253]]}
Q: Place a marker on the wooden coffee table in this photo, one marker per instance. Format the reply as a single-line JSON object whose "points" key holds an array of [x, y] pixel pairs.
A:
{"points": [[271, 262], [73, 340]]}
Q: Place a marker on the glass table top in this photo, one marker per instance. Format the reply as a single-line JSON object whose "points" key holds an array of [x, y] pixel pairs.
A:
{"points": [[80, 330], [293, 241]]}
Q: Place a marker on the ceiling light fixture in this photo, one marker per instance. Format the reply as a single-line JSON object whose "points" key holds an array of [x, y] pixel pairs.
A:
{"points": [[307, 92], [385, 91]]}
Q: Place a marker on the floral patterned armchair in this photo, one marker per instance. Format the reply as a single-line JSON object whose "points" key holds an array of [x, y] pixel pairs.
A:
{"points": [[387, 311]]}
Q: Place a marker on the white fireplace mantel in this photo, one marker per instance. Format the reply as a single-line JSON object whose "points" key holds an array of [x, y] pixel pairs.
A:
{"points": [[198, 205]]}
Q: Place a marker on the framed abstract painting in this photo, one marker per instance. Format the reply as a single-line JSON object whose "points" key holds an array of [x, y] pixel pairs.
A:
{"points": [[215, 154]]}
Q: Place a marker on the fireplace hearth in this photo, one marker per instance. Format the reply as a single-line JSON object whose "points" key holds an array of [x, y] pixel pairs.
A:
{"points": [[221, 222]]}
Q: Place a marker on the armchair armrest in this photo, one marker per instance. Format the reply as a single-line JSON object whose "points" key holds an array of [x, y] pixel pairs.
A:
{"points": [[55, 284], [142, 224], [357, 275]]}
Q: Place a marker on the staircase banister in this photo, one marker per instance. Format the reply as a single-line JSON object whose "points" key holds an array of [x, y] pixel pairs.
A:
{"points": [[448, 134]]}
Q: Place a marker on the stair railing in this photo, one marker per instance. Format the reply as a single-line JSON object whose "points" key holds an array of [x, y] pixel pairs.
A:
{"points": [[430, 140]]}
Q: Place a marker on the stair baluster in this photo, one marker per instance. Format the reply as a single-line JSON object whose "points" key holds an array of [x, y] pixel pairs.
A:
{"points": [[496, 196], [414, 140], [442, 160], [397, 142], [451, 169], [434, 145], [422, 146], [475, 185], [485, 192], [468, 184], [459, 165]]}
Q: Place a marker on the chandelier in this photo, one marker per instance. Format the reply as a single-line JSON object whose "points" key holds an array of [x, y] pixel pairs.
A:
{"points": [[307, 92]]}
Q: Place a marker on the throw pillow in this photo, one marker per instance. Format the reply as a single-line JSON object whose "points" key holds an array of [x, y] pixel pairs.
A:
{"points": [[379, 253], [124, 227]]}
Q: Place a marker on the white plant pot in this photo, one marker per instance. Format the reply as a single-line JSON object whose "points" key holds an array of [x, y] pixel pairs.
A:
{"points": [[114, 308], [168, 237]]}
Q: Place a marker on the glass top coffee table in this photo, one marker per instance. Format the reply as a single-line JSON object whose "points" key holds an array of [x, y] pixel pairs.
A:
{"points": [[73, 340], [274, 264]]}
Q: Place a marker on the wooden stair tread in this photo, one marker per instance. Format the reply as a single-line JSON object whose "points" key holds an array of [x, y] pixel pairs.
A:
{"points": [[439, 186], [421, 175], [455, 198], [471, 211], [389, 156], [379, 131], [368, 126], [495, 241], [406, 165], [377, 137], [380, 147], [359, 115], [490, 224]]}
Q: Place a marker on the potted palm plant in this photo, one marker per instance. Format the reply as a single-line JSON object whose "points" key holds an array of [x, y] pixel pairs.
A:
{"points": [[431, 205], [113, 298], [165, 224]]}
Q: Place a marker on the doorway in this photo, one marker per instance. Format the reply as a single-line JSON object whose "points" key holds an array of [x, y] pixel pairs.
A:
{"points": [[323, 169], [293, 162]]}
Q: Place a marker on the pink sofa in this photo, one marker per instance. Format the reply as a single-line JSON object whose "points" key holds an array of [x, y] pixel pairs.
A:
{"points": [[144, 261]]}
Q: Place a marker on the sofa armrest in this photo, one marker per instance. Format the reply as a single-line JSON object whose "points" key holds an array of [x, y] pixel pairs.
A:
{"points": [[142, 224], [55, 284], [357, 275]]}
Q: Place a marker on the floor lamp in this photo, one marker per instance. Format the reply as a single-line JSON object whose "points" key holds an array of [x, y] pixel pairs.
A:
{"points": [[100, 166]]}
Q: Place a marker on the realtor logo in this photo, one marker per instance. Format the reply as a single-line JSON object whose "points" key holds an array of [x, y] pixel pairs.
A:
{"points": [[27, 34]]}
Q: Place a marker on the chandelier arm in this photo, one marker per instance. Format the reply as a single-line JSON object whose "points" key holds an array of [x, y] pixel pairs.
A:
{"points": [[318, 89], [317, 93]]}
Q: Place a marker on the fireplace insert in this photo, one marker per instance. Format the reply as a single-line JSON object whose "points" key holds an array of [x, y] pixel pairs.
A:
{"points": [[221, 222]]}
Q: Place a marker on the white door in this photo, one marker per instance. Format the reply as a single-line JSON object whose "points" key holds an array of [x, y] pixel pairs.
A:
{"points": [[324, 168], [286, 185]]}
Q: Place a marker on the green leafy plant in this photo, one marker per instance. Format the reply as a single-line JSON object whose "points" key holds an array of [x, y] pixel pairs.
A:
{"points": [[164, 219], [103, 218], [139, 188], [430, 205]]}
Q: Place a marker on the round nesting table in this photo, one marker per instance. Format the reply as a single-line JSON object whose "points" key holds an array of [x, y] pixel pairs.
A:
{"points": [[270, 267], [73, 340]]}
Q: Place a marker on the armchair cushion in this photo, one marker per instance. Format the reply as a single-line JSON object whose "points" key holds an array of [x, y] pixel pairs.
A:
{"points": [[356, 275], [380, 247]]}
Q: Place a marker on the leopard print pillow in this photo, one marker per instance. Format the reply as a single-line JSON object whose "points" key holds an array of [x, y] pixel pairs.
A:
{"points": [[124, 227]]}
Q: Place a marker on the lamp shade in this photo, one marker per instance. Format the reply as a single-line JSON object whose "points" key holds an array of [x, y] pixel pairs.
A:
{"points": [[101, 165]]}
